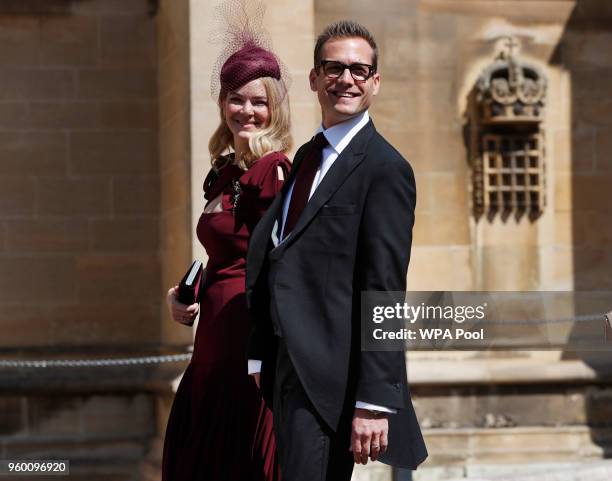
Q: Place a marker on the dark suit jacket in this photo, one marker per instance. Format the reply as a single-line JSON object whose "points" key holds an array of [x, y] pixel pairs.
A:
{"points": [[354, 235]]}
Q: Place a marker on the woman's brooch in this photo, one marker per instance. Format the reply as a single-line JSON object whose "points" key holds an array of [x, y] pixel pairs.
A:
{"points": [[236, 195]]}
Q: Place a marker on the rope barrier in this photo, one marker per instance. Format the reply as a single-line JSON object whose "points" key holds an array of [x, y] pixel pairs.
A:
{"points": [[126, 361], [170, 358]]}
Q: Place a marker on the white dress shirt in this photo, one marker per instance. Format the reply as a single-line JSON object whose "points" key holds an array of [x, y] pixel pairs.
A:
{"points": [[338, 136]]}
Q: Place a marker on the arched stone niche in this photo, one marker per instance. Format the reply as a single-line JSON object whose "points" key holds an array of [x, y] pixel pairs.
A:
{"points": [[508, 137]]}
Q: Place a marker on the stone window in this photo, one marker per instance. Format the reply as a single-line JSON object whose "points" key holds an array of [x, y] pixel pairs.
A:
{"points": [[508, 138], [513, 172]]}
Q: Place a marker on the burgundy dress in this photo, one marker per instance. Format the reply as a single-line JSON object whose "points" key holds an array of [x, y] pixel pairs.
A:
{"points": [[219, 427]]}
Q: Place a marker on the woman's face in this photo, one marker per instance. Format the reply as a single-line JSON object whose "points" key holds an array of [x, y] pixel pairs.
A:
{"points": [[246, 110]]}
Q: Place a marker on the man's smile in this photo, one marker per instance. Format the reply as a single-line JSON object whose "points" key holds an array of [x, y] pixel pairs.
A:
{"points": [[348, 95]]}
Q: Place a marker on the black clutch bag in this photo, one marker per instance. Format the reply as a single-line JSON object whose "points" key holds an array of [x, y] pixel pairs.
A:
{"points": [[190, 285]]}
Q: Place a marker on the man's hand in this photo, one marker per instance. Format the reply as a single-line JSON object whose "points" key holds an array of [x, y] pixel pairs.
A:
{"points": [[369, 435], [256, 378]]}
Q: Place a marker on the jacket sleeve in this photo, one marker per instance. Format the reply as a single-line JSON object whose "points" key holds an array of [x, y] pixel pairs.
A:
{"points": [[385, 240]]}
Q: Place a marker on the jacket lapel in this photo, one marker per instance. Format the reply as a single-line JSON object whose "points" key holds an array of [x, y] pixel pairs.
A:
{"points": [[260, 239], [346, 162]]}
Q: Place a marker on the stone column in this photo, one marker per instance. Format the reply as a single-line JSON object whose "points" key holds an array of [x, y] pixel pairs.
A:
{"points": [[175, 206]]}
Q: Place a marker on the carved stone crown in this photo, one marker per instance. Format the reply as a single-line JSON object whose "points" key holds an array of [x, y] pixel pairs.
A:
{"points": [[510, 90]]}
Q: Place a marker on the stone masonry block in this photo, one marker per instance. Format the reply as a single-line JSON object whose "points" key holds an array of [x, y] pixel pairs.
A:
{"points": [[16, 316], [590, 192], [129, 115], [438, 268], [173, 193], [136, 195], [603, 151], [99, 323], [582, 151], [563, 193], [13, 115], [63, 115], [32, 84], [55, 416], [125, 415], [583, 233], [114, 8], [125, 235], [27, 153], [85, 449], [117, 84], [3, 237], [582, 49], [118, 278], [50, 278], [113, 153], [591, 86], [34, 7], [128, 42], [47, 235], [74, 197], [174, 150], [19, 41], [69, 40], [592, 268], [177, 231], [592, 110], [173, 71], [428, 230], [12, 420], [17, 196]]}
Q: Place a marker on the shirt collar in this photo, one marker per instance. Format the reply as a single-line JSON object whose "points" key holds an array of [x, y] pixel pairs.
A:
{"points": [[341, 134]]}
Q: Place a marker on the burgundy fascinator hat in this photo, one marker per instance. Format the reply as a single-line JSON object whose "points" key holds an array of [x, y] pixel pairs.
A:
{"points": [[247, 52]]}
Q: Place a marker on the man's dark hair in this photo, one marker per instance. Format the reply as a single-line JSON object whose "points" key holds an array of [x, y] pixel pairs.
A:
{"points": [[345, 29]]}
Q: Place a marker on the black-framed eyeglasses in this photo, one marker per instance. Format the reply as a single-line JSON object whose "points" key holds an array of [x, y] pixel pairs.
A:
{"points": [[359, 71]]}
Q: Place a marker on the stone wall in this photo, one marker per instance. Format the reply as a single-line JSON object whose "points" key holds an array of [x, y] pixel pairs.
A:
{"points": [[79, 183], [175, 174], [105, 115], [587, 158], [176, 192], [79, 228]]}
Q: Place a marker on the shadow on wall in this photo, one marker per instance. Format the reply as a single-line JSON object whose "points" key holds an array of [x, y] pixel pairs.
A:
{"points": [[584, 52]]}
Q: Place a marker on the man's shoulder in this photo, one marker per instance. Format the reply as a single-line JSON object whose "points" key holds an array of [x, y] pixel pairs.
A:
{"points": [[383, 152]]}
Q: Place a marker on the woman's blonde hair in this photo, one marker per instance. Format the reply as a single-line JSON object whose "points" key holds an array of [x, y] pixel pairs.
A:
{"points": [[275, 137]]}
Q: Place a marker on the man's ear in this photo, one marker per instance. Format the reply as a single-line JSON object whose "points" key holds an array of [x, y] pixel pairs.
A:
{"points": [[376, 83], [312, 78]]}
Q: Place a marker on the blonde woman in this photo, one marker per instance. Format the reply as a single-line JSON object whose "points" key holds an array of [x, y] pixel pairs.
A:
{"points": [[219, 427]]}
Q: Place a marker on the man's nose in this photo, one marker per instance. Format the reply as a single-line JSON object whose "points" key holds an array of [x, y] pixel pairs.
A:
{"points": [[345, 76]]}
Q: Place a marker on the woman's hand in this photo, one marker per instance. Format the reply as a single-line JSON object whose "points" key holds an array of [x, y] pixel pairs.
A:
{"points": [[180, 312]]}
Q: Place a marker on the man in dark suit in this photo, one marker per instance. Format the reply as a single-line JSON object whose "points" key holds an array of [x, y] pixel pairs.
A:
{"points": [[342, 225]]}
